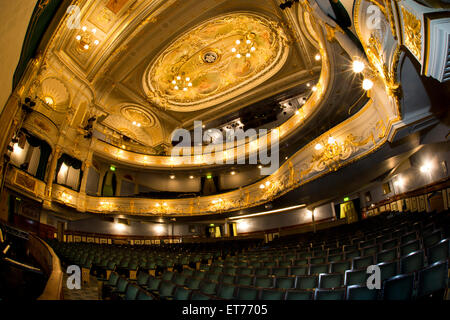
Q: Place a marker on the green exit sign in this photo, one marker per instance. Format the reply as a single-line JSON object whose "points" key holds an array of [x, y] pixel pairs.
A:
{"points": [[346, 199]]}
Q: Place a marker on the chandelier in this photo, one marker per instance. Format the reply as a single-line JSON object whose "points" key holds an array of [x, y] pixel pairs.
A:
{"points": [[182, 82], [86, 38], [245, 46]]}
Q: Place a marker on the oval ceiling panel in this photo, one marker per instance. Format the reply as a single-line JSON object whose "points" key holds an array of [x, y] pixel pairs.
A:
{"points": [[216, 61]]}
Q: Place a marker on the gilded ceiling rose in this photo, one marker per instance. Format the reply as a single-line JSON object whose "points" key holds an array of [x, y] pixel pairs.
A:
{"points": [[138, 116], [217, 60]]}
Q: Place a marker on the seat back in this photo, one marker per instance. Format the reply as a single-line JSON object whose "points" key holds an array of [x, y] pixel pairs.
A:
{"points": [[388, 269], [131, 292], [387, 255], [272, 294], [355, 277], [329, 294], [307, 282], [143, 295], [208, 287], [299, 294], [226, 291], [399, 287], [440, 251], [362, 262], [264, 281], [412, 262], [247, 293], [432, 279], [409, 247], [182, 293], [341, 266], [328, 281], [285, 282], [361, 292]]}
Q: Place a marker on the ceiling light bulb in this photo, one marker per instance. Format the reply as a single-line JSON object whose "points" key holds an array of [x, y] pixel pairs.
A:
{"points": [[233, 173], [317, 57], [367, 84], [238, 41], [318, 147], [426, 167], [314, 89], [139, 125], [248, 41], [308, 85], [176, 88], [134, 123], [238, 56], [185, 89], [358, 66], [165, 204], [178, 78], [297, 112], [331, 140], [84, 28], [49, 101], [94, 31], [96, 42], [78, 38], [262, 186], [191, 177], [248, 55], [267, 183], [174, 82], [260, 167], [158, 205], [190, 84], [252, 49], [188, 79], [233, 50], [172, 177]]}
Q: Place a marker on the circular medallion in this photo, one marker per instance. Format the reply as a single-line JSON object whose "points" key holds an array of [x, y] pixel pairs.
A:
{"points": [[210, 57]]}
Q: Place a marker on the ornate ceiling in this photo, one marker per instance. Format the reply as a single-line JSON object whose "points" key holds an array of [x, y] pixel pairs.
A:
{"points": [[216, 61], [140, 52]]}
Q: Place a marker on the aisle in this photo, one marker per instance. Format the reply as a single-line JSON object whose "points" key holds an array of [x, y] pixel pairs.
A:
{"points": [[87, 292]]}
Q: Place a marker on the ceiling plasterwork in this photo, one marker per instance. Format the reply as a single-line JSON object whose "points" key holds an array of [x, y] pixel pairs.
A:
{"points": [[202, 67]]}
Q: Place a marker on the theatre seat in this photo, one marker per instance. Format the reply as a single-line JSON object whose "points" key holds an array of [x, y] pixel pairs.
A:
{"points": [[307, 282], [209, 287], [328, 281], [399, 287], [388, 269], [264, 281], [433, 280], [285, 282], [144, 295], [329, 294], [298, 270], [246, 293], [272, 294], [361, 292], [341, 266], [362, 262], [409, 247], [438, 252], [299, 294], [226, 291], [387, 255], [412, 262], [355, 277]]}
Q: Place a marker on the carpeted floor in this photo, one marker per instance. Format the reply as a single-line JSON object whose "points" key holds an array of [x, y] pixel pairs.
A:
{"points": [[87, 292]]}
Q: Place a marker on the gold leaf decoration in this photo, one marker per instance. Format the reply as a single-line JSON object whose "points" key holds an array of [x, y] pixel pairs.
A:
{"points": [[413, 37]]}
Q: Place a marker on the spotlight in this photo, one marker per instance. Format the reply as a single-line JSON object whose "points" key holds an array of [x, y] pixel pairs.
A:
{"points": [[318, 147], [358, 66], [426, 167], [317, 57], [367, 84]]}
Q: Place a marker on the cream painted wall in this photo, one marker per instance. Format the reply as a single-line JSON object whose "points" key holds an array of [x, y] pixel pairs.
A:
{"points": [[15, 16]]}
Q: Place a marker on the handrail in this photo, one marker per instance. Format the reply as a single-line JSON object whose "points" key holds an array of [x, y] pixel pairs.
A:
{"points": [[51, 265]]}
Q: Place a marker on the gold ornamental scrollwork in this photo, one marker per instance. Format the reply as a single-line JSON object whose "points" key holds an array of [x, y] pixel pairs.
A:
{"points": [[412, 32]]}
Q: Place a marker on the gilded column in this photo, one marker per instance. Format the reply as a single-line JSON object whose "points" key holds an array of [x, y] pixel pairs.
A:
{"points": [[51, 177]]}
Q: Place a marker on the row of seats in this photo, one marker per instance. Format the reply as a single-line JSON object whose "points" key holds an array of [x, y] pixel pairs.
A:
{"points": [[428, 282]]}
